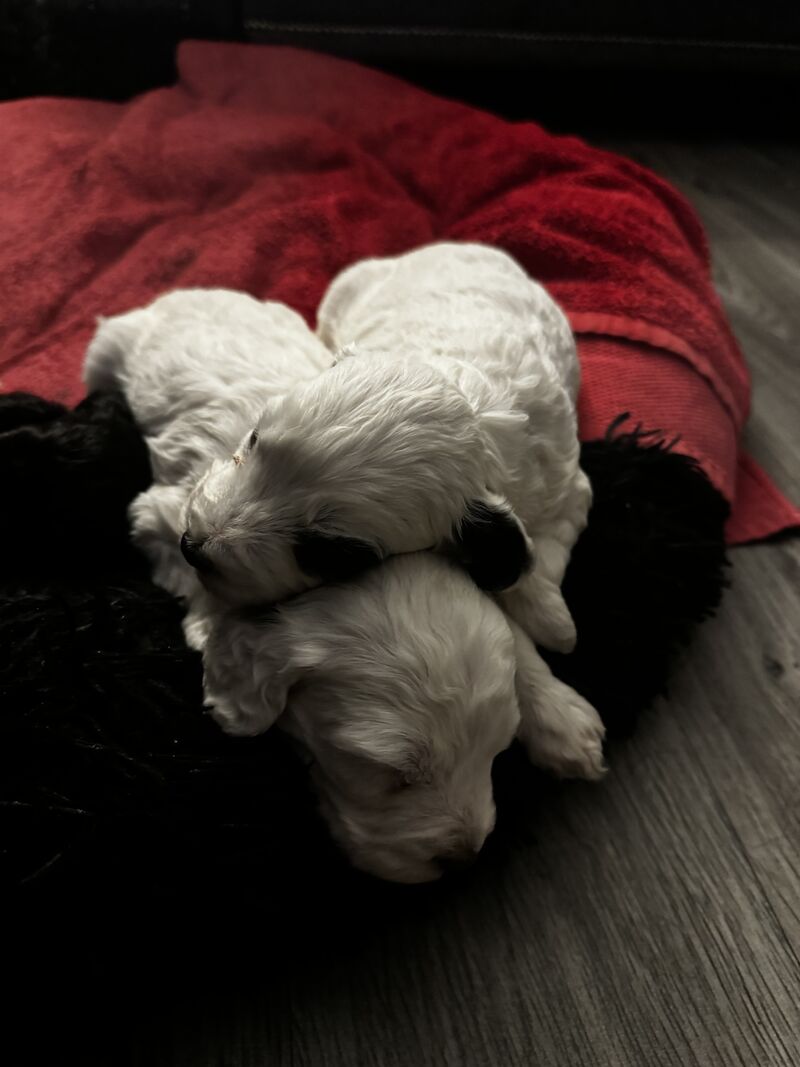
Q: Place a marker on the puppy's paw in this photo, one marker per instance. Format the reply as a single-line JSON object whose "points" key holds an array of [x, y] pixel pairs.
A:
{"points": [[550, 625], [230, 716], [559, 636], [196, 628], [247, 673], [565, 737]]}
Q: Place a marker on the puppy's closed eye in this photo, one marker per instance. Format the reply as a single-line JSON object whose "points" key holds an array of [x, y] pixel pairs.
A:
{"points": [[333, 558], [388, 781], [405, 780]]}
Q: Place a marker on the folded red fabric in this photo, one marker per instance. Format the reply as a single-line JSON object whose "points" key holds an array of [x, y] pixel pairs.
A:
{"points": [[269, 169]]}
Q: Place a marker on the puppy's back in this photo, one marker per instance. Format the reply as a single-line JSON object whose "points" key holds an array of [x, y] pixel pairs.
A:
{"points": [[195, 340], [465, 300], [197, 364]]}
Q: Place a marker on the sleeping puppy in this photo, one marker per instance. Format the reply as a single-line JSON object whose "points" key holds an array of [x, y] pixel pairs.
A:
{"points": [[402, 684], [449, 424], [196, 367]]}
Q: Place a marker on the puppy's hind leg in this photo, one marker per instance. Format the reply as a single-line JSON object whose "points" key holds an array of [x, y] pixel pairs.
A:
{"points": [[561, 732]]}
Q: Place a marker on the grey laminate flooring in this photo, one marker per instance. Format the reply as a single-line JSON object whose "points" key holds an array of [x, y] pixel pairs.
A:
{"points": [[655, 919]]}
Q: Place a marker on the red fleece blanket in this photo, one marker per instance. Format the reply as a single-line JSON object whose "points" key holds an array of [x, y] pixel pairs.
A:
{"points": [[269, 169]]}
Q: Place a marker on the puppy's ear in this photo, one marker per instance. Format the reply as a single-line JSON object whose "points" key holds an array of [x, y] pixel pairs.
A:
{"points": [[333, 558], [491, 544], [248, 670]]}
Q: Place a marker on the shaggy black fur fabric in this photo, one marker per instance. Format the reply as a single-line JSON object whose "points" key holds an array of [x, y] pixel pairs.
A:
{"points": [[115, 786], [649, 567], [68, 477]]}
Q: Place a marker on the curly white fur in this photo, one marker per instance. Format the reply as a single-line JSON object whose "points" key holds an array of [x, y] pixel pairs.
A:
{"points": [[455, 391], [402, 684]]}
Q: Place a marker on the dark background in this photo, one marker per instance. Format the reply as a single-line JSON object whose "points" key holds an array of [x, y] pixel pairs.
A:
{"points": [[688, 66]]}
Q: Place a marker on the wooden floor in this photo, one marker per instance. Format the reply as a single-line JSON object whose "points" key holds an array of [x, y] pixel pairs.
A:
{"points": [[653, 920]]}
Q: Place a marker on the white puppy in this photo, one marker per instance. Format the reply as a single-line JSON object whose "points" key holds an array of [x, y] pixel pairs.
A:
{"points": [[402, 684], [196, 366], [451, 425]]}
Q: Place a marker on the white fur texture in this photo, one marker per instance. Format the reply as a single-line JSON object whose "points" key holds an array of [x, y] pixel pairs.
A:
{"points": [[456, 383], [403, 684]]}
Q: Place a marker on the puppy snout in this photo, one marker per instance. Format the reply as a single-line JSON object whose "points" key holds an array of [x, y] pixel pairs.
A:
{"points": [[457, 862], [193, 553]]}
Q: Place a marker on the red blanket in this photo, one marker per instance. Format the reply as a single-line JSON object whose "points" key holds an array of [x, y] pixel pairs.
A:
{"points": [[269, 169]]}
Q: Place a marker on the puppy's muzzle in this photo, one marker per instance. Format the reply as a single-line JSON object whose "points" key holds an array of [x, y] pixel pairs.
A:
{"points": [[193, 554]]}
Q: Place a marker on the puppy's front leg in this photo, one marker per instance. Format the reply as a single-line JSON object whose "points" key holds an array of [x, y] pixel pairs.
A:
{"points": [[536, 602], [155, 517], [537, 605], [561, 732]]}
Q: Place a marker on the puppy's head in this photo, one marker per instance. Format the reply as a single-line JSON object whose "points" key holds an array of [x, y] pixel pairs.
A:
{"points": [[400, 688], [371, 459]]}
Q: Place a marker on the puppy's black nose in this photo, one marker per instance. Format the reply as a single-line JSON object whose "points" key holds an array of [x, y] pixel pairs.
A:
{"points": [[193, 553], [457, 862]]}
